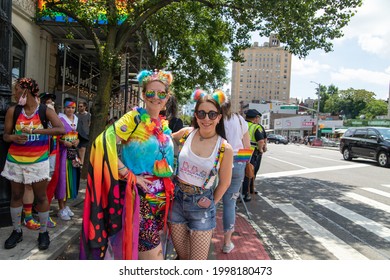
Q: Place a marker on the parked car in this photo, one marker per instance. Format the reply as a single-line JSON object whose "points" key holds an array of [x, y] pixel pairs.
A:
{"points": [[276, 138], [329, 143], [367, 142]]}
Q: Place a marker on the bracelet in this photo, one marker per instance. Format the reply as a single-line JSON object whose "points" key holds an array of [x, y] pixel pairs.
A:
{"points": [[123, 167], [31, 130]]}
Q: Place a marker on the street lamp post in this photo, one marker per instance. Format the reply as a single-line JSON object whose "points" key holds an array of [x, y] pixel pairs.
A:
{"points": [[318, 109]]}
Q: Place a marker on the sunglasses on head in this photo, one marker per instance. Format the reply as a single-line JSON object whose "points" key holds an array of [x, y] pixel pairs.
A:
{"points": [[152, 94], [202, 114]]}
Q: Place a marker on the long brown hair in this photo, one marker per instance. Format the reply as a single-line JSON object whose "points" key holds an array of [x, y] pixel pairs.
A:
{"points": [[220, 128]]}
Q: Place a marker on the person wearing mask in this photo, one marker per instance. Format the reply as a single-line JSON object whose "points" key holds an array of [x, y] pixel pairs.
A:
{"points": [[237, 135], [69, 168], [256, 134], [204, 156], [27, 161], [128, 198]]}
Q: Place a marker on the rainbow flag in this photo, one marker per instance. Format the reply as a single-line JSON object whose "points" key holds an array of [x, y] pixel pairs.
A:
{"points": [[243, 155]]}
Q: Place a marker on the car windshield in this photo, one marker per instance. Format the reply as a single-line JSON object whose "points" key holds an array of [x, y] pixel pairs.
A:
{"points": [[385, 132]]}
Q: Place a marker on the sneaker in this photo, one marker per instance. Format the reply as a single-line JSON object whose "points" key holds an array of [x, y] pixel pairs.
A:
{"points": [[43, 240], [63, 214], [14, 239], [228, 248], [31, 224], [51, 223], [70, 213]]}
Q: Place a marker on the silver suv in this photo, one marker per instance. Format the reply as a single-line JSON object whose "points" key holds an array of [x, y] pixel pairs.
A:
{"points": [[367, 142]]}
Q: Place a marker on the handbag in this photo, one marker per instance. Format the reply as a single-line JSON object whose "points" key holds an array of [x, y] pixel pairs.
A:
{"points": [[249, 170], [71, 153]]}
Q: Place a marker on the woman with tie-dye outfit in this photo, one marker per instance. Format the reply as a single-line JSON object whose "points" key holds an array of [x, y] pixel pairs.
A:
{"points": [[27, 160], [69, 173], [125, 220]]}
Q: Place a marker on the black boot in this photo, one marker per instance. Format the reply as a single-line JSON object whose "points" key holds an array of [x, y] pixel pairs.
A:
{"points": [[43, 240], [247, 197], [14, 239]]}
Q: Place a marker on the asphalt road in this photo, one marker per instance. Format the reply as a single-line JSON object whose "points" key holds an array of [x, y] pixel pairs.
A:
{"points": [[313, 205]]}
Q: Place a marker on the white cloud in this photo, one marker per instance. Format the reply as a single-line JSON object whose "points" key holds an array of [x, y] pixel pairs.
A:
{"points": [[361, 76], [307, 67], [370, 27]]}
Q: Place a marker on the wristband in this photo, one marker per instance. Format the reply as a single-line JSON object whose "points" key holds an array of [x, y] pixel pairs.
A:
{"points": [[123, 167], [31, 131]]}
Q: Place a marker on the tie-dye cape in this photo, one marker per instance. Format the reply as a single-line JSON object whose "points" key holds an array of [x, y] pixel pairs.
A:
{"points": [[111, 210]]}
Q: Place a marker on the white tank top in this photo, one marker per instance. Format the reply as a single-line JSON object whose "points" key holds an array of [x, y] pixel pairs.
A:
{"points": [[194, 170]]}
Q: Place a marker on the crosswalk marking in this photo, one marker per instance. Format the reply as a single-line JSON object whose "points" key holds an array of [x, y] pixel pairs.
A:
{"points": [[308, 170], [384, 185], [382, 193], [335, 245], [368, 201], [297, 165], [368, 224]]}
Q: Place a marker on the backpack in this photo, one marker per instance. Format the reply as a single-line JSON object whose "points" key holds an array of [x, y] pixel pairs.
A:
{"points": [[41, 111]]}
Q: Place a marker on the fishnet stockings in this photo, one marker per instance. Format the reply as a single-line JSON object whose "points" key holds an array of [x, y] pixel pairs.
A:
{"points": [[193, 245]]}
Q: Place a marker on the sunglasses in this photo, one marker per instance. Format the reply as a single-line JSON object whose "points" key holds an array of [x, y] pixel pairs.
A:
{"points": [[160, 94], [202, 114]]}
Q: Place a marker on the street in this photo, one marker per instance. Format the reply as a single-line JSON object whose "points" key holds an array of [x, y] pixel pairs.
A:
{"points": [[314, 205]]}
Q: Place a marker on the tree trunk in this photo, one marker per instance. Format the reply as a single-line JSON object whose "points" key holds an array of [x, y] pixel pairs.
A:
{"points": [[99, 111]]}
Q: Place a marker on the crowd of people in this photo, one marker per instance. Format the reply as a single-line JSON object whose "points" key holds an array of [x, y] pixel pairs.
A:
{"points": [[150, 178]]}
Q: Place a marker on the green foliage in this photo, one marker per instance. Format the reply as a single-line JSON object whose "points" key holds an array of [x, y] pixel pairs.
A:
{"points": [[354, 102], [186, 119], [192, 37]]}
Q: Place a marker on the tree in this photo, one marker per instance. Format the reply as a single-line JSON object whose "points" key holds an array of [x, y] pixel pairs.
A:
{"points": [[374, 108], [191, 36]]}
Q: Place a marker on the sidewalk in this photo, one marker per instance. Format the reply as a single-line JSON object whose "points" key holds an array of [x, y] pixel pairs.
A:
{"points": [[248, 245]]}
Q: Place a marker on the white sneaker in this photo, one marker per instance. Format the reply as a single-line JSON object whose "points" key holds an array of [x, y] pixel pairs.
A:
{"points": [[70, 213], [228, 248], [63, 214]]}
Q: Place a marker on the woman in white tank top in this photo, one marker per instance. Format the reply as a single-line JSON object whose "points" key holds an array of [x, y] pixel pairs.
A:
{"points": [[200, 161]]}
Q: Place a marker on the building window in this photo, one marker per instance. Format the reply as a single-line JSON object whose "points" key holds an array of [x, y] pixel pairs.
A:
{"points": [[18, 55]]}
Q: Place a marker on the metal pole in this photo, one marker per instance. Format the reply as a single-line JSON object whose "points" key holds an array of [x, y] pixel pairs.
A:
{"points": [[63, 80], [126, 81], [318, 112], [78, 81], [318, 108]]}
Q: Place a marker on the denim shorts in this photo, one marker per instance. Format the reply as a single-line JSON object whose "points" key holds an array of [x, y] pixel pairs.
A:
{"points": [[185, 210]]}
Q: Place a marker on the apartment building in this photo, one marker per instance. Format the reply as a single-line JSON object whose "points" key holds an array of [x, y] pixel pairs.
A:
{"points": [[264, 76]]}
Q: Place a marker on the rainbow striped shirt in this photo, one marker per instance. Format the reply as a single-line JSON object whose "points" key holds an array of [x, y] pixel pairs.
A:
{"points": [[36, 149]]}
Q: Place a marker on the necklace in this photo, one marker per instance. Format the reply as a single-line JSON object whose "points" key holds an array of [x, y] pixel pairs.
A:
{"points": [[201, 138]]}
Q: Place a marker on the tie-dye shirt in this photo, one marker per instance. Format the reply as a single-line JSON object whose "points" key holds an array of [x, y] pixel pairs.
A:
{"points": [[141, 149], [36, 149]]}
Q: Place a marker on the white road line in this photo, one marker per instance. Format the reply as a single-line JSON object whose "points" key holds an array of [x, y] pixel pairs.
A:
{"points": [[368, 224], [307, 171], [330, 159], [387, 186], [288, 162], [332, 243], [295, 153], [382, 193], [368, 201], [269, 201]]}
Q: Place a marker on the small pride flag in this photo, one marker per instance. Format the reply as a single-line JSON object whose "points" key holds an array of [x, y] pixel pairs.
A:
{"points": [[243, 155]]}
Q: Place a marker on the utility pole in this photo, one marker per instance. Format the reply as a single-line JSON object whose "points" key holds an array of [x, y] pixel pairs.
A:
{"points": [[318, 109]]}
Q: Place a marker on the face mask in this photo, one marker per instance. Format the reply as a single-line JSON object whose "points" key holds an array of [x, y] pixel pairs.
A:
{"points": [[23, 100]]}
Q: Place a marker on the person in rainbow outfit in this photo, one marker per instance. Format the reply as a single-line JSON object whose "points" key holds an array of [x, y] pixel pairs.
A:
{"points": [[68, 180], [124, 220], [27, 160]]}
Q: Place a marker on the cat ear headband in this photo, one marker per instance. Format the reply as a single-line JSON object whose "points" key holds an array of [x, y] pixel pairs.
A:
{"points": [[218, 95]]}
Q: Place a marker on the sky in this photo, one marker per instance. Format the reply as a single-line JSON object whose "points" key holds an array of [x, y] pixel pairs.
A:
{"points": [[359, 60]]}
